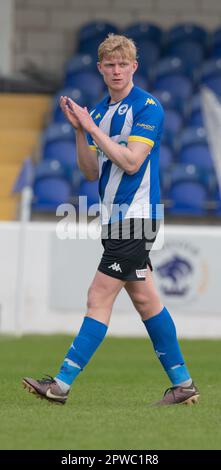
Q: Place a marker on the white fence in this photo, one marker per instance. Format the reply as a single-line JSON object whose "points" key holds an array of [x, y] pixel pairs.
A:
{"points": [[55, 276]]}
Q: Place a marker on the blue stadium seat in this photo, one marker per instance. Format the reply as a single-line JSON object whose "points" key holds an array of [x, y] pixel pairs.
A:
{"points": [[74, 93], [195, 117], [184, 31], [216, 44], [217, 201], [168, 66], [166, 157], [194, 148], [58, 131], [189, 190], [173, 123], [91, 34], [191, 52], [80, 63], [179, 85], [144, 30], [211, 75], [52, 186], [140, 81], [148, 54], [187, 41], [58, 143], [89, 189], [90, 83], [189, 172], [166, 98], [62, 150], [148, 39], [188, 198], [170, 76]]}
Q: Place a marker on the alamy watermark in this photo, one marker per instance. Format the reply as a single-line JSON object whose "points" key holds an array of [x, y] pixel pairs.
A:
{"points": [[114, 221]]}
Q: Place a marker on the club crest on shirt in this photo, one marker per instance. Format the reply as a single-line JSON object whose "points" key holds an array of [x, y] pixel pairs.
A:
{"points": [[122, 109]]}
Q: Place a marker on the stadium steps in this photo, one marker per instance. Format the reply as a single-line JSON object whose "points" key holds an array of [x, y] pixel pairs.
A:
{"points": [[23, 111], [21, 121]]}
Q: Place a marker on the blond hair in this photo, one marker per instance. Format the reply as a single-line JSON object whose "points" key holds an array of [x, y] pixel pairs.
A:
{"points": [[116, 43]]}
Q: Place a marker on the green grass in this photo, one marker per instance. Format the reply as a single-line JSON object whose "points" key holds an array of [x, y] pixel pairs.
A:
{"points": [[108, 406]]}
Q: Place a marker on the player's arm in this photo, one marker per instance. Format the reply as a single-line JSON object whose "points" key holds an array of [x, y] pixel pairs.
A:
{"points": [[86, 156], [129, 158]]}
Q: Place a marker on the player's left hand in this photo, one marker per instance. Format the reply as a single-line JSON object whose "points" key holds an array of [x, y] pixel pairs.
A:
{"points": [[82, 115]]}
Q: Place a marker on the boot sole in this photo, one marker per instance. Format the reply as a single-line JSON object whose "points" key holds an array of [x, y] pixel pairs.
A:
{"points": [[32, 390], [191, 401]]}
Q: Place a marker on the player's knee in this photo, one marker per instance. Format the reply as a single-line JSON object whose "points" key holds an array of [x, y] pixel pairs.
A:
{"points": [[140, 302], [96, 297], [145, 303]]}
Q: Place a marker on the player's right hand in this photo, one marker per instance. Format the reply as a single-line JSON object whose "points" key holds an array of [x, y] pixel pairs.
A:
{"points": [[69, 113]]}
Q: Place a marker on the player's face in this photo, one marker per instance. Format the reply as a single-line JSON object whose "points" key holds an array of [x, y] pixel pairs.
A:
{"points": [[117, 71]]}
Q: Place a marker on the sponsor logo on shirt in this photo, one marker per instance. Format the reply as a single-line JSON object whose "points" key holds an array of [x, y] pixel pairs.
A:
{"points": [[122, 109], [146, 126], [150, 101]]}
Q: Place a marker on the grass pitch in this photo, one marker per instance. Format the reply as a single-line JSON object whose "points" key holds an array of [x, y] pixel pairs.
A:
{"points": [[108, 406]]}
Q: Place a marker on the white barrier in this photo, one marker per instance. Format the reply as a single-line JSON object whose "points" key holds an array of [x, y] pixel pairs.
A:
{"points": [[57, 274]]}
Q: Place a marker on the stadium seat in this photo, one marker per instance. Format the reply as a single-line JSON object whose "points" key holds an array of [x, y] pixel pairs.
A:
{"points": [[166, 98], [216, 44], [195, 117], [58, 143], [148, 39], [179, 85], [192, 53], [90, 83], [188, 198], [89, 189], [217, 201], [58, 131], [140, 81], [189, 42], [52, 186], [62, 150], [194, 148], [148, 55], [173, 123], [168, 66], [144, 30], [92, 34], [170, 76], [166, 157], [211, 75], [80, 63], [191, 31], [74, 93]]}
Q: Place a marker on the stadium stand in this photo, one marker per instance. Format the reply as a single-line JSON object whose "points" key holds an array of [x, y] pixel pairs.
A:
{"points": [[21, 118], [173, 66]]}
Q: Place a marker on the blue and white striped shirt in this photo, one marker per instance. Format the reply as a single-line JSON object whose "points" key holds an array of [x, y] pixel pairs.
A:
{"points": [[138, 118]]}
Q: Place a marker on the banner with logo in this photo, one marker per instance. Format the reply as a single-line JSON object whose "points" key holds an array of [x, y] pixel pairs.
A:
{"points": [[187, 269]]}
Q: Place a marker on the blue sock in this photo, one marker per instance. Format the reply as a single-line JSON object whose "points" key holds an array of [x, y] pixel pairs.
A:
{"points": [[162, 333], [90, 336]]}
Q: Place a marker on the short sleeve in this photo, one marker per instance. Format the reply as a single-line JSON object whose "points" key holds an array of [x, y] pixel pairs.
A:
{"points": [[147, 123]]}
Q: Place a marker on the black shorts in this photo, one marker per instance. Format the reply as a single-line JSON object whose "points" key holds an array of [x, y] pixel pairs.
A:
{"points": [[127, 246]]}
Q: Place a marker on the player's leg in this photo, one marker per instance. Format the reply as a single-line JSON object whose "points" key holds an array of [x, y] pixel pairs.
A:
{"points": [[162, 332], [101, 296]]}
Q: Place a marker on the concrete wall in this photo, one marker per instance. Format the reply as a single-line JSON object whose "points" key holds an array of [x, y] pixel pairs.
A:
{"points": [[46, 30], [44, 281], [7, 10]]}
